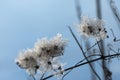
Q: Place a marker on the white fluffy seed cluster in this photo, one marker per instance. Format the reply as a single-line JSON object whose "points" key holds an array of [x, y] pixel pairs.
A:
{"points": [[43, 56], [92, 27]]}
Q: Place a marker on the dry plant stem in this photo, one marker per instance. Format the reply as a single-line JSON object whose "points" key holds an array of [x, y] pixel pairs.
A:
{"points": [[115, 10], [92, 46], [103, 61], [44, 73], [33, 77], [66, 74], [101, 45], [79, 63], [78, 9], [93, 77], [76, 66], [83, 53], [114, 37], [98, 6], [42, 76], [94, 55]]}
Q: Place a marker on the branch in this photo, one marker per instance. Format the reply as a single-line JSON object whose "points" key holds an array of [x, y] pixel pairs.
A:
{"points": [[83, 52], [78, 9], [115, 10], [84, 63]]}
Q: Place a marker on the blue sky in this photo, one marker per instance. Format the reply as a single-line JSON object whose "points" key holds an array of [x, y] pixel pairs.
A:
{"points": [[22, 22]]}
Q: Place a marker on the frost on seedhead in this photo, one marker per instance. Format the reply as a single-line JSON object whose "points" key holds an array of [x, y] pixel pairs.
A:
{"points": [[43, 56], [50, 48], [92, 28], [27, 60]]}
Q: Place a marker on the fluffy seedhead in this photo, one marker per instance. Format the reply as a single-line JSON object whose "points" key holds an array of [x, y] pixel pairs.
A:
{"points": [[42, 57], [92, 27]]}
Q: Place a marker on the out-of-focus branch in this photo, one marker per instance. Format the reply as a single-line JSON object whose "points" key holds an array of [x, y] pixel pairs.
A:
{"points": [[115, 10], [101, 45], [78, 9], [98, 9]]}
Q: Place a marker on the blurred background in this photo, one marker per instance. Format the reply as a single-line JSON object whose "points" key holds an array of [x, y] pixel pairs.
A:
{"points": [[22, 22]]}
